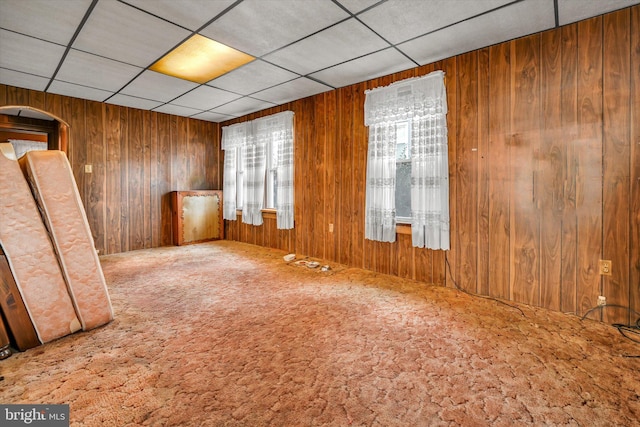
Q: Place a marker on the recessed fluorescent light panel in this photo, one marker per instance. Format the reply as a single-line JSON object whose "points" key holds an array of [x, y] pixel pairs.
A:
{"points": [[200, 60]]}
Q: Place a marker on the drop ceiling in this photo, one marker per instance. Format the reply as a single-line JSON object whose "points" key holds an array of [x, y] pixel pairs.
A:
{"points": [[102, 49]]}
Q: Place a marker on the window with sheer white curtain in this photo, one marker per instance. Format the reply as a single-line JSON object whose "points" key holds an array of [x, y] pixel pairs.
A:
{"points": [[259, 154], [422, 103]]}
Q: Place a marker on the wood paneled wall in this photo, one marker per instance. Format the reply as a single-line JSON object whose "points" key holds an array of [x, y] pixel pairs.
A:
{"points": [[138, 157], [544, 154]]}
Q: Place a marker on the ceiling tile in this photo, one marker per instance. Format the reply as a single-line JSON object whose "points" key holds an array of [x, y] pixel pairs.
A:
{"points": [[513, 21], [368, 67], [205, 98], [157, 86], [19, 53], [133, 102], [94, 71], [242, 106], [68, 89], [257, 27], [44, 19], [212, 117], [575, 10], [27, 81], [356, 6], [255, 76], [121, 32], [191, 14], [401, 20], [290, 91], [340, 43], [176, 110]]}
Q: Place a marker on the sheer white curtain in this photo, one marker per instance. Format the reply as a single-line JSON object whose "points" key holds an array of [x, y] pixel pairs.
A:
{"points": [[253, 187], [423, 101], [253, 138], [233, 137], [380, 204], [277, 130]]}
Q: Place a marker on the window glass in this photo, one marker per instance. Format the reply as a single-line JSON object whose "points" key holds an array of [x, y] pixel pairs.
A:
{"points": [[272, 175], [239, 177], [403, 172]]}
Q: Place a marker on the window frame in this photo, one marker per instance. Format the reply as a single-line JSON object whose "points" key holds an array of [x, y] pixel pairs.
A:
{"points": [[407, 125]]}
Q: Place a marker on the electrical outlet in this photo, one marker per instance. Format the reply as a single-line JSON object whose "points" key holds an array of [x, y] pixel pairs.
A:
{"points": [[88, 168], [330, 228], [605, 267], [602, 300]]}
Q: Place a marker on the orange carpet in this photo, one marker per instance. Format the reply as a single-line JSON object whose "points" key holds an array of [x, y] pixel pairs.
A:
{"points": [[228, 334]]}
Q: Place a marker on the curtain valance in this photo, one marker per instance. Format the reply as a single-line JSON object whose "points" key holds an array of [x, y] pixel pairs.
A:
{"points": [[406, 99], [235, 135]]}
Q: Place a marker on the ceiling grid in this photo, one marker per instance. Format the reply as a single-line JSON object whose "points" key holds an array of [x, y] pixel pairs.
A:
{"points": [[102, 50]]}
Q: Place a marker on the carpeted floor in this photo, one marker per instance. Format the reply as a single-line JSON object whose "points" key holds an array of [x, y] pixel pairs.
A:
{"points": [[228, 334]]}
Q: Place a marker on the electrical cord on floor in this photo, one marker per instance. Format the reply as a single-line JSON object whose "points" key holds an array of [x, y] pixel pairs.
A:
{"points": [[446, 260], [625, 330]]}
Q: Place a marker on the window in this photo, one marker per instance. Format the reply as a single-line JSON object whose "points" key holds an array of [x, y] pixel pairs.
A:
{"points": [[407, 161], [258, 169]]}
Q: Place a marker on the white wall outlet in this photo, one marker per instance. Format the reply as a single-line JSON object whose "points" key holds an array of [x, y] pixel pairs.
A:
{"points": [[88, 168], [330, 228], [602, 300]]}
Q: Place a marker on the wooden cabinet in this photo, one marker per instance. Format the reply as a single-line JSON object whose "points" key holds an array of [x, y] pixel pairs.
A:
{"points": [[197, 216]]}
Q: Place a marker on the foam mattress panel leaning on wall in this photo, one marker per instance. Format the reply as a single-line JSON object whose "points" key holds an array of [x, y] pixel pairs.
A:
{"points": [[31, 257], [56, 193]]}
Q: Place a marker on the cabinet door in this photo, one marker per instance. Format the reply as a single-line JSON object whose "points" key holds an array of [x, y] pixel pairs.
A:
{"points": [[197, 216]]}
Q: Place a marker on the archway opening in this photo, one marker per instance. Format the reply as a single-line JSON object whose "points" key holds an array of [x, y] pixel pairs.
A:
{"points": [[33, 128]]}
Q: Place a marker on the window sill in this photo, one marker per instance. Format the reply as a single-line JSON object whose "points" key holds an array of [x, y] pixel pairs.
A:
{"points": [[403, 229], [266, 213]]}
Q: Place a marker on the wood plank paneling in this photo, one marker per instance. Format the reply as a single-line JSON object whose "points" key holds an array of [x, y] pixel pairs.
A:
{"points": [[549, 171], [499, 172], [616, 155], [113, 198], [484, 152], [94, 192], [466, 244], [634, 243], [524, 147], [588, 156], [135, 178], [569, 127]]}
